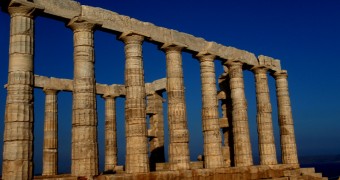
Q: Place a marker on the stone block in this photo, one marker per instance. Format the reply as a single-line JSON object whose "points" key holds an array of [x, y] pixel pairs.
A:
{"points": [[160, 34], [224, 122], [116, 22], [269, 62], [142, 28], [67, 9], [189, 41]]}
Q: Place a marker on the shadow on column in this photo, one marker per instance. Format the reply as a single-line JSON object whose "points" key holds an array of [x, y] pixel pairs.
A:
{"points": [[156, 156]]}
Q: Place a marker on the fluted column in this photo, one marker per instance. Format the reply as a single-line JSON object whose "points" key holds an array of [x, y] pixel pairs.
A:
{"points": [[110, 133], [50, 151], [18, 130], [84, 115], [264, 118], [226, 107], [242, 146], [137, 160], [287, 135], [213, 157], [179, 157], [155, 110]]}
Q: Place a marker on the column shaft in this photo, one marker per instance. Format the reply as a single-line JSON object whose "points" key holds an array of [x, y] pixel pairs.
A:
{"points": [[287, 135], [84, 117], [18, 130], [226, 106], [213, 157], [179, 157], [137, 160], [50, 151], [242, 146], [155, 110], [264, 118], [110, 134]]}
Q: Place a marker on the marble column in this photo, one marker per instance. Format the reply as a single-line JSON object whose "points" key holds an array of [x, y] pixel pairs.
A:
{"points": [[155, 110], [50, 150], [288, 144], [179, 157], [264, 118], [18, 130], [110, 133], [226, 107], [137, 160], [241, 136], [213, 157], [84, 115]]}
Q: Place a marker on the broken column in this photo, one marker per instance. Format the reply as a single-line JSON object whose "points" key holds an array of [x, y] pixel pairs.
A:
{"points": [[84, 115], [18, 130], [179, 157], [242, 146], [50, 151], [156, 129], [110, 133], [226, 120], [213, 157], [137, 160], [264, 118], [287, 135]]}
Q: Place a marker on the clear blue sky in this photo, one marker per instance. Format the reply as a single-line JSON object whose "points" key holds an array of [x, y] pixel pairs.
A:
{"points": [[304, 35]]}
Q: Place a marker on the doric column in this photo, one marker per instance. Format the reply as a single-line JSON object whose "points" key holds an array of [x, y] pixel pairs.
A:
{"points": [[264, 118], [179, 157], [18, 130], [242, 146], [288, 145], [226, 107], [84, 115], [156, 135], [213, 157], [110, 133], [50, 151], [137, 160]]}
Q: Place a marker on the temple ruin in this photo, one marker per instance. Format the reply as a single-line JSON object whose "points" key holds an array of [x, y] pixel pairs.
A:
{"points": [[223, 158]]}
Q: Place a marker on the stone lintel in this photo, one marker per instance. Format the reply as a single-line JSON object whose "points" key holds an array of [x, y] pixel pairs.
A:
{"points": [[269, 62], [114, 90], [53, 83], [66, 9], [157, 85]]}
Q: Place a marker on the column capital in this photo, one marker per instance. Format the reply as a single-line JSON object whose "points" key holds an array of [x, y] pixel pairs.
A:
{"points": [[130, 37], [230, 63], [50, 91], [80, 24], [280, 74], [26, 9], [167, 47], [204, 56], [109, 96], [259, 69]]}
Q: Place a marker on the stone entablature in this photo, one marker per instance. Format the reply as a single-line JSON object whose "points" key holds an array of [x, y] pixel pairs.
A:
{"points": [[108, 20], [114, 90]]}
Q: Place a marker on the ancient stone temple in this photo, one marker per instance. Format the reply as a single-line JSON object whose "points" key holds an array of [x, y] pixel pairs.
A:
{"points": [[227, 147]]}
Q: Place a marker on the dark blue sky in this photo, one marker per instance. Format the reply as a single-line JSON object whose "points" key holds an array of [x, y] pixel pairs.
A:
{"points": [[304, 35]]}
